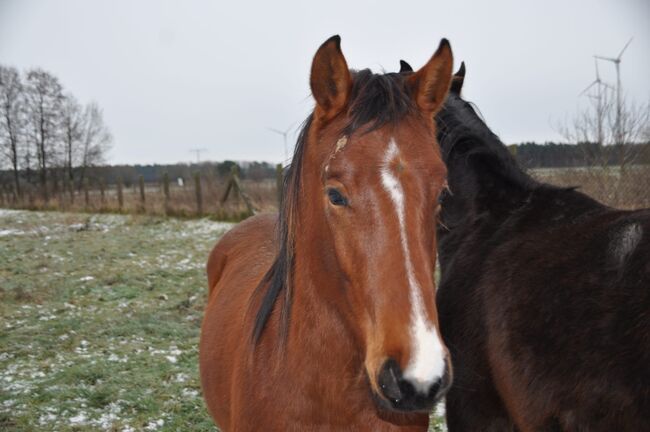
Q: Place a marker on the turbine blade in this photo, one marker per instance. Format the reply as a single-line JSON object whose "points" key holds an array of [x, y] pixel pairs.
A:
{"points": [[597, 74], [588, 87], [624, 48], [275, 130], [606, 58]]}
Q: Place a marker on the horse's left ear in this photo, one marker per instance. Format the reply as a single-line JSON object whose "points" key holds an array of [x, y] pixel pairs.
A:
{"points": [[404, 67], [458, 80], [431, 83], [330, 79]]}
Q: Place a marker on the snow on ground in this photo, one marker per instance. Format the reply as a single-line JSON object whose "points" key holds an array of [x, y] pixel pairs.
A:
{"points": [[100, 317]]}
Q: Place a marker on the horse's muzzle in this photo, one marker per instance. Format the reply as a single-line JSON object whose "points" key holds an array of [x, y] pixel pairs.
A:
{"points": [[401, 395]]}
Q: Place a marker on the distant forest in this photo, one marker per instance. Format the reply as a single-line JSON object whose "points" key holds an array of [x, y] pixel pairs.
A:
{"points": [[554, 155], [153, 173], [529, 155]]}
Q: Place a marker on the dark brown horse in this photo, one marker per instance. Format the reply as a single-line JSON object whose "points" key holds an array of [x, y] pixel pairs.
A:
{"points": [[330, 321], [544, 299]]}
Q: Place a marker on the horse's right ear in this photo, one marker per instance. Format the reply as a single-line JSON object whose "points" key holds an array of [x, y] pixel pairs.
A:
{"points": [[330, 79], [458, 79]]}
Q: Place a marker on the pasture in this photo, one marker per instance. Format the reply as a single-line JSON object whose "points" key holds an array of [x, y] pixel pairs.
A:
{"points": [[100, 317]]}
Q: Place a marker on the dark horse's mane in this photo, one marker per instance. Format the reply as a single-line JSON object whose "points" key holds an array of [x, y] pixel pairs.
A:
{"points": [[376, 100], [462, 131]]}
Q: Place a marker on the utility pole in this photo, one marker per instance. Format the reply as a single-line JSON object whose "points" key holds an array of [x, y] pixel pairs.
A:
{"points": [[198, 152]]}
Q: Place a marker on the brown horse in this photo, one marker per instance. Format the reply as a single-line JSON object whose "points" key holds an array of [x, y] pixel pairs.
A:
{"points": [[329, 322]]}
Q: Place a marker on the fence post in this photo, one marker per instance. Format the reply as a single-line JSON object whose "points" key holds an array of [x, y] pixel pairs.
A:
{"points": [[71, 190], [86, 196], [279, 183], [166, 191], [199, 197], [60, 197], [141, 185], [240, 190], [120, 196], [102, 188]]}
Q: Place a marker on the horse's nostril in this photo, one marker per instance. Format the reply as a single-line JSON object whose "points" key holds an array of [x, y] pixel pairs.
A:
{"points": [[388, 381], [404, 394]]}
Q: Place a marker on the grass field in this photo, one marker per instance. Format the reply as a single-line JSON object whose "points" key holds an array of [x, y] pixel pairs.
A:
{"points": [[100, 317]]}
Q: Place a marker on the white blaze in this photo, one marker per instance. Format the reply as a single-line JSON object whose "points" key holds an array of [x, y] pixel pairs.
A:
{"points": [[427, 362]]}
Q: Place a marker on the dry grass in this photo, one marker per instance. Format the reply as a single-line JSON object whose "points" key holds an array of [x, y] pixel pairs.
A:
{"points": [[182, 200], [627, 189]]}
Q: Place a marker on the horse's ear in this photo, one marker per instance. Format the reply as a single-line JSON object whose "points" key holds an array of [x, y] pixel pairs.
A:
{"points": [[458, 79], [330, 78], [431, 83], [404, 67]]}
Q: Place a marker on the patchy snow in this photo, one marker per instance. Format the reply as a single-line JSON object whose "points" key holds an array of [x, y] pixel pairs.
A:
{"points": [[10, 232], [155, 425]]}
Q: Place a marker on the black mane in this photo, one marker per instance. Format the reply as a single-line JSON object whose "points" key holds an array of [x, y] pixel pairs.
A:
{"points": [[376, 100], [462, 132]]}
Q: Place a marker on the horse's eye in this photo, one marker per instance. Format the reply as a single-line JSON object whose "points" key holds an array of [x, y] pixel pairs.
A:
{"points": [[336, 198], [442, 196]]}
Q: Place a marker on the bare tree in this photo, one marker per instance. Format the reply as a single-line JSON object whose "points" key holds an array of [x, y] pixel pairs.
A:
{"points": [[598, 125], [11, 121], [631, 124], [43, 99], [96, 139], [72, 125]]}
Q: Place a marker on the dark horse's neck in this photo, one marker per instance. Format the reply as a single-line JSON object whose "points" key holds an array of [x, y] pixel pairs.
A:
{"points": [[486, 185]]}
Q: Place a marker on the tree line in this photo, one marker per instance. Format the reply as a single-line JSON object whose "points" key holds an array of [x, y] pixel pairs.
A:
{"points": [[48, 140], [562, 155], [110, 174]]}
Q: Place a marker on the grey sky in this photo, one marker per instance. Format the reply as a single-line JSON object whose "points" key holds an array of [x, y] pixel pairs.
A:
{"points": [[176, 75]]}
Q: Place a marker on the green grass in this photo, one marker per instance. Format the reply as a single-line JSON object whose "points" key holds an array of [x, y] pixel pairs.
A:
{"points": [[100, 318]]}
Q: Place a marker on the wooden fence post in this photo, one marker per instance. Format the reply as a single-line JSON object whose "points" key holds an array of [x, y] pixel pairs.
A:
{"points": [[199, 197], [102, 190], [86, 196], [166, 191], [235, 184], [120, 196], [71, 190], [279, 183], [141, 184]]}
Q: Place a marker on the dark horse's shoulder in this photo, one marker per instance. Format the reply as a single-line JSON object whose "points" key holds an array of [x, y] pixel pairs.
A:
{"points": [[572, 286]]}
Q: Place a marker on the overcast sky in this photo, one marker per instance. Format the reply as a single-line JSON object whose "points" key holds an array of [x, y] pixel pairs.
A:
{"points": [[177, 75]]}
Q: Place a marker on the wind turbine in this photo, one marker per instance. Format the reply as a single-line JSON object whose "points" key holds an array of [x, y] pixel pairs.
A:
{"points": [[284, 134], [600, 110], [617, 63]]}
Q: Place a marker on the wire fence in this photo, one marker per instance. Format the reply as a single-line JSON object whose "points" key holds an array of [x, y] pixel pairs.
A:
{"points": [[235, 199], [228, 198]]}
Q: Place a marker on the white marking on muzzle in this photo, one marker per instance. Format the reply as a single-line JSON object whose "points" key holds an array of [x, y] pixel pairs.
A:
{"points": [[427, 362]]}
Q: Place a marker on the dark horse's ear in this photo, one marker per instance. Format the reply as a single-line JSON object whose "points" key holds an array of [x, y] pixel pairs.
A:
{"points": [[330, 79], [458, 79], [431, 83], [404, 67]]}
